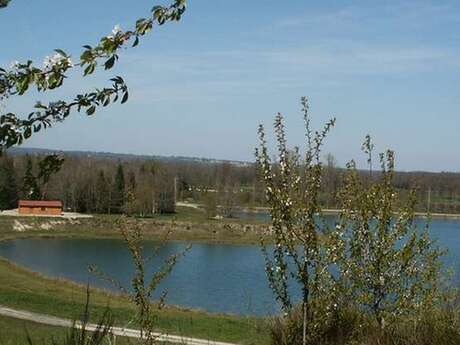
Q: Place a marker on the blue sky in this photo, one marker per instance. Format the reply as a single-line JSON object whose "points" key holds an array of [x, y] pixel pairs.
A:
{"points": [[201, 87]]}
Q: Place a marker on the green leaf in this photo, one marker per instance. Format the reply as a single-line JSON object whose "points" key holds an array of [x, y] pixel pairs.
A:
{"points": [[110, 62], [91, 110], [60, 51], [125, 97], [27, 132], [89, 69]]}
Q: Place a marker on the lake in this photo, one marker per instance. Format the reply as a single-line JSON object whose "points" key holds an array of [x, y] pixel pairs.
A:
{"points": [[216, 278]]}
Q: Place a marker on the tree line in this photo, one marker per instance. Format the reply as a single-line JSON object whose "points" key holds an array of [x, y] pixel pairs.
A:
{"points": [[142, 186]]}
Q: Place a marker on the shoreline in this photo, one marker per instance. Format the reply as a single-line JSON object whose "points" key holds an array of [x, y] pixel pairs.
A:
{"points": [[333, 211]]}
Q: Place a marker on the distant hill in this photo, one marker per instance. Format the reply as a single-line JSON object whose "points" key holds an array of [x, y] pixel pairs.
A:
{"points": [[21, 151]]}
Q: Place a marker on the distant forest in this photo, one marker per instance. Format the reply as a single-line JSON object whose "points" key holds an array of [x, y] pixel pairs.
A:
{"points": [[108, 183]]}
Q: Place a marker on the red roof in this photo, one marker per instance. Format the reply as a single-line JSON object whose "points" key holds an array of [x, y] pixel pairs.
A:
{"points": [[40, 203]]}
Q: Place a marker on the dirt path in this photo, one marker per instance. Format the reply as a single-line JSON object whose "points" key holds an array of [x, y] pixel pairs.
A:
{"points": [[116, 331]]}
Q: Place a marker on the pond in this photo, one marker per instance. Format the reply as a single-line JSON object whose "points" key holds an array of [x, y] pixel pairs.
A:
{"points": [[216, 278]]}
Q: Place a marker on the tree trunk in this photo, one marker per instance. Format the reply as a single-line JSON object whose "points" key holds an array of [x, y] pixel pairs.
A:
{"points": [[304, 323]]}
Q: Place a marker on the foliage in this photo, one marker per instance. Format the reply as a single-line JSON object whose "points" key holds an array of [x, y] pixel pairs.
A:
{"points": [[118, 192], [4, 3], [30, 186], [375, 266], [102, 194], [47, 167], [20, 77], [349, 326], [210, 205], [339, 329], [79, 187], [8, 185], [389, 265], [292, 185], [35, 185]]}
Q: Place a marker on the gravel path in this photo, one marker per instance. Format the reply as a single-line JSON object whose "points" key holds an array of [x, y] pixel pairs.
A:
{"points": [[117, 331]]}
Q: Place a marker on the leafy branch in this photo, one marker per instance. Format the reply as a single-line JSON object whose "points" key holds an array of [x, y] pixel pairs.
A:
{"points": [[21, 76], [14, 130], [4, 3]]}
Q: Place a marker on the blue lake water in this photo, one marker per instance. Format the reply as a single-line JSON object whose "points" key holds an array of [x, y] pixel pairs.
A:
{"points": [[217, 278]]}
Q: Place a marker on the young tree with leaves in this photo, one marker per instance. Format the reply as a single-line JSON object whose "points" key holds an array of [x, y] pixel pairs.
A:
{"points": [[300, 255], [390, 266], [144, 284]]}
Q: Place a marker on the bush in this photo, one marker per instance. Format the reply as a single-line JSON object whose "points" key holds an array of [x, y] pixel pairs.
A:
{"points": [[353, 327], [338, 328]]}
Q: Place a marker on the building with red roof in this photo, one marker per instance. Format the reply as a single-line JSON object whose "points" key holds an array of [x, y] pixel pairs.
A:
{"points": [[40, 207]]}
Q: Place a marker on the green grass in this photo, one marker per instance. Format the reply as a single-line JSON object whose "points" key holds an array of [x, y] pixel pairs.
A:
{"points": [[26, 290], [14, 332]]}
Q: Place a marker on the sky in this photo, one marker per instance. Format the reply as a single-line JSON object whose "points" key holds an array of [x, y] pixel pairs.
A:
{"points": [[202, 86]]}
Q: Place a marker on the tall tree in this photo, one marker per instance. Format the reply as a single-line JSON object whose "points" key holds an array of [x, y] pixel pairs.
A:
{"points": [[102, 193], [8, 185], [30, 186], [47, 167], [118, 190]]}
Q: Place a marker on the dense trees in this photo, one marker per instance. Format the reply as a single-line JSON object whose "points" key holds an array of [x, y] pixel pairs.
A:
{"points": [[8, 185], [142, 186]]}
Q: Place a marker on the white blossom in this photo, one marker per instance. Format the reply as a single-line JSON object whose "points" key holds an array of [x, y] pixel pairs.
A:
{"points": [[57, 59], [14, 65], [115, 31]]}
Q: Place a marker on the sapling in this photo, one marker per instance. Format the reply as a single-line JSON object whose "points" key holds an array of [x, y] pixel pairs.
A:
{"points": [[390, 266], [143, 283], [300, 256]]}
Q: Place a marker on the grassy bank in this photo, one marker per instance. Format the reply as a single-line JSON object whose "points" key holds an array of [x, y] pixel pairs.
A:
{"points": [[187, 224], [27, 290]]}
